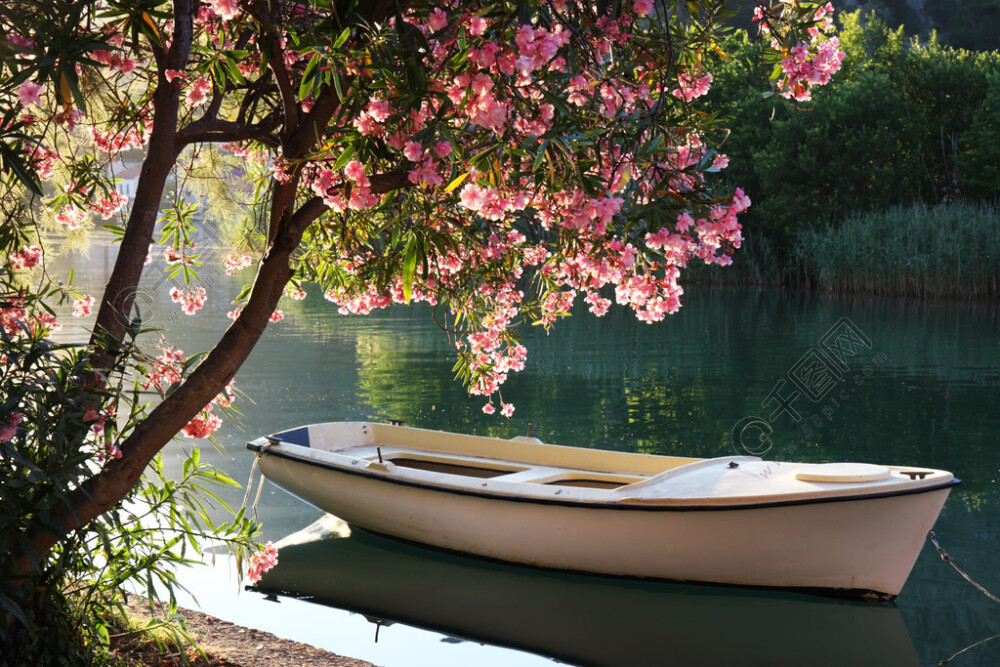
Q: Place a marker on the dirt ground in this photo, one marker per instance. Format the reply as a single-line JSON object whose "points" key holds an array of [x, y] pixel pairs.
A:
{"points": [[229, 645]]}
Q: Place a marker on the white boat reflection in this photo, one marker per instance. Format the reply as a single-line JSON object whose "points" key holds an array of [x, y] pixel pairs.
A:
{"points": [[581, 619]]}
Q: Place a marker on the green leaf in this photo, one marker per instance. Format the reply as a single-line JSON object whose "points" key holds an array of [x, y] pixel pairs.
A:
{"points": [[12, 161], [409, 266], [345, 157], [342, 38]]}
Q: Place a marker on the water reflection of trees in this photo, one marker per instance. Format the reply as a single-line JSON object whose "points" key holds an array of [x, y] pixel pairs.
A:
{"points": [[679, 386]]}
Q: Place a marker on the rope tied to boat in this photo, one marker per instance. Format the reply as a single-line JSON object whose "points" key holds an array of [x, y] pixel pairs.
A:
{"points": [[260, 488], [948, 559]]}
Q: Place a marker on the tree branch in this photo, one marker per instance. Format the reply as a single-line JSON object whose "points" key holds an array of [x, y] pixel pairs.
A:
{"points": [[218, 131], [116, 304]]}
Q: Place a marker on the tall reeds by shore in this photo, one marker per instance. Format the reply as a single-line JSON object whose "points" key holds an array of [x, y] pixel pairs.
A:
{"points": [[950, 250]]}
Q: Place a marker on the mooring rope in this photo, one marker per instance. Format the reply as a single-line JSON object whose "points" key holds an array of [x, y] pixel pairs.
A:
{"points": [[253, 469], [946, 558]]}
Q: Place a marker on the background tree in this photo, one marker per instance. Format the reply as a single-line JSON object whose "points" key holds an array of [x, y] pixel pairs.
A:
{"points": [[496, 159]]}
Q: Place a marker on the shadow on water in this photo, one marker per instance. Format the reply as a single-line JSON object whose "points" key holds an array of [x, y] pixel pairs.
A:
{"points": [[580, 619]]}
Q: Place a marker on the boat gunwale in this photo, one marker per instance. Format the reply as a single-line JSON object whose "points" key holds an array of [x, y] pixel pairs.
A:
{"points": [[633, 504]]}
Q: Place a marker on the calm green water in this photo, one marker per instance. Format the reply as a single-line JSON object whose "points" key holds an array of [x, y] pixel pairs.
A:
{"points": [[909, 383]]}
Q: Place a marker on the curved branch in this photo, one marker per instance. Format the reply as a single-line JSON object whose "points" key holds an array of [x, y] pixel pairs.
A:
{"points": [[119, 294], [206, 130]]}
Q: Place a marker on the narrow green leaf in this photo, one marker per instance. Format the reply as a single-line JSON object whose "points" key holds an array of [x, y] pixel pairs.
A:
{"points": [[409, 267], [345, 157], [342, 38]]}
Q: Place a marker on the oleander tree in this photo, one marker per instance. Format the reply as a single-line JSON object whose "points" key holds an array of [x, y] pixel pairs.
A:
{"points": [[499, 160]]}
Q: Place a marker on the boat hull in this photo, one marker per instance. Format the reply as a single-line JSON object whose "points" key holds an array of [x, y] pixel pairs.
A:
{"points": [[855, 545]]}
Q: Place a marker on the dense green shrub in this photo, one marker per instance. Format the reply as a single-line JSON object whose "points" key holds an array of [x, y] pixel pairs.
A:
{"points": [[904, 123]]}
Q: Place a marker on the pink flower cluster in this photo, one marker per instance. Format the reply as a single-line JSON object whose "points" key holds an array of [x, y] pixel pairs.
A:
{"points": [[14, 315], [261, 562], [227, 10], [115, 59], [349, 189], [115, 141], [26, 258], [42, 160], [806, 64], [691, 86], [29, 93], [192, 299], [294, 292], [107, 206], [83, 306], [71, 216], [198, 94], [233, 263], [204, 424], [166, 369]]}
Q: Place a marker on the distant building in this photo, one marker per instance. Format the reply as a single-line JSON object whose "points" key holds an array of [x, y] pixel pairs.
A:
{"points": [[128, 181]]}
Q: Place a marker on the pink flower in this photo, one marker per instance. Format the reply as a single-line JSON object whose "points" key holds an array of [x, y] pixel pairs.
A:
{"points": [[225, 9], [477, 25], [204, 424], [642, 7], [437, 20], [489, 409], [233, 262], [691, 87], [413, 151], [261, 562], [507, 410], [276, 316], [83, 306], [96, 421], [198, 94], [442, 148], [355, 171], [71, 216], [29, 93], [9, 429], [106, 207]]}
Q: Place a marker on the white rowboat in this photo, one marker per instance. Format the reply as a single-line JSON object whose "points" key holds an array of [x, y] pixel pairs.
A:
{"points": [[853, 528]]}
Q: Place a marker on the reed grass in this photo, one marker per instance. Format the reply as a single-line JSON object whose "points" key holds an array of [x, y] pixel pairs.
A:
{"points": [[949, 250]]}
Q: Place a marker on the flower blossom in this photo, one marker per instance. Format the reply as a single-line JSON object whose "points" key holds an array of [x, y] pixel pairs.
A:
{"points": [[642, 7], [83, 306], [225, 9], [234, 262], [691, 87], [198, 94], [204, 424], [26, 258], [261, 562], [192, 300], [107, 206], [29, 93], [71, 216], [166, 369]]}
